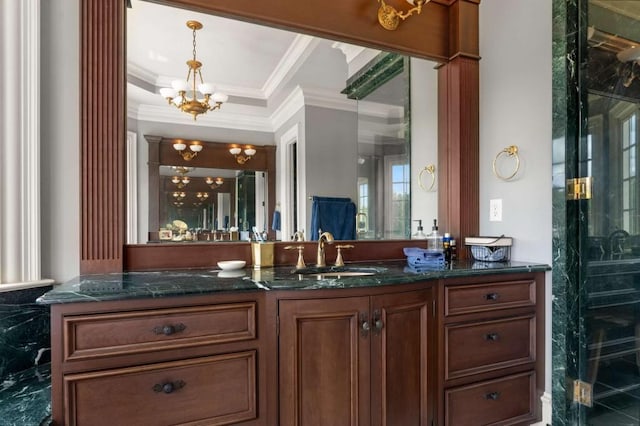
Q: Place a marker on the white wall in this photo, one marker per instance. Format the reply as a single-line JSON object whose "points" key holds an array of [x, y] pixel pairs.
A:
{"points": [[424, 141], [60, 139], [515, 109]]}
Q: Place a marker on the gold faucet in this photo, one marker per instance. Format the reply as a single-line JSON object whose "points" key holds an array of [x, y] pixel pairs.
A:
{"points": [[324, 237], [298, 236]]}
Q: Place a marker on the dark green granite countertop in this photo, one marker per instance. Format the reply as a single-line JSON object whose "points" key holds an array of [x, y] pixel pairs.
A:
{"points": [[132, 285]]}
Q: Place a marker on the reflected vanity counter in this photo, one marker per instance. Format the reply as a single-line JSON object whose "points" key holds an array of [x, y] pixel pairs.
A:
{"points": [[155, 284], [224, 339]]}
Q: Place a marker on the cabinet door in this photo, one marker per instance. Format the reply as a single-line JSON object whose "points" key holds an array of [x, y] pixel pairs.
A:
{"points": [[324, 362], [400, 350]]}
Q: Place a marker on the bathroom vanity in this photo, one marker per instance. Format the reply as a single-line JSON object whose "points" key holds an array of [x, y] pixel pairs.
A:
{"points": [[456, 347]]}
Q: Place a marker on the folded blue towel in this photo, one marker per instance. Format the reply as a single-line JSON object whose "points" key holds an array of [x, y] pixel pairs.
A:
{"points": [[419, 257], [422, 269]]}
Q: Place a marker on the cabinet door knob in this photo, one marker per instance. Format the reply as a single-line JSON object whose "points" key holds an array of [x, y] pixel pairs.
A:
{"points": [[168, 387], [492, 296], [377, 322], [365, 326], [492, 396], [168, 330], [491, 337]]}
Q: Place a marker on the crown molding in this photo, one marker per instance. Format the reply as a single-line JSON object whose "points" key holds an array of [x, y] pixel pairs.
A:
{"points": [[289, 106], [236, 120], [298, 51], [142, 73]]}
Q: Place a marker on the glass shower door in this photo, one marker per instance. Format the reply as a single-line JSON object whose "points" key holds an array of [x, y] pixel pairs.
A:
{"points": [[609, 224]]}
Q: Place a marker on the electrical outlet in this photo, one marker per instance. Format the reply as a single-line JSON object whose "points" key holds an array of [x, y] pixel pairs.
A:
{"points": [[495, 210]]}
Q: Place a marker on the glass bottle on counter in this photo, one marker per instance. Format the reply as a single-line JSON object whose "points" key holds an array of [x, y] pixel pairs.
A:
{"points": [[434, 240]]}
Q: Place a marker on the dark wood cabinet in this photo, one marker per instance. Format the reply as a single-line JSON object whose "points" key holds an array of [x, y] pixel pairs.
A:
{"points": [[356, 360], [491, 349], [446, 352], [196, 361]]}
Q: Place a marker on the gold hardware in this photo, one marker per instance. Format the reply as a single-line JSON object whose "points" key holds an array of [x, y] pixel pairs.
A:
{"points": [[579, 188], [320, 259], [390, 18], [194, 148], [339, 259], [431, 169], [300, 263], [582, 393], [510, 151], [298, 236], [236, 151], [177, 95]]}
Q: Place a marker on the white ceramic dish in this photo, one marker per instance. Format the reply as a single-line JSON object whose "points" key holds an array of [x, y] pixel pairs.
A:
{"points": [[237, 273], [231, 265]]}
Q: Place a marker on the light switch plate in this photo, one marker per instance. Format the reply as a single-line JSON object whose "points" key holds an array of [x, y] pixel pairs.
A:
{"points": [[495, 210]]}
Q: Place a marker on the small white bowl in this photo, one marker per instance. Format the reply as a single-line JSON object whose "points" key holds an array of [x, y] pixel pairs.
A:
{"points": [[231, 274], [230, 265]]}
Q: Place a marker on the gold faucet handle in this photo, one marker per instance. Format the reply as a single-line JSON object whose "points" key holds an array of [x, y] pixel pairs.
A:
{"points": [[300, 262], [339, 259]]}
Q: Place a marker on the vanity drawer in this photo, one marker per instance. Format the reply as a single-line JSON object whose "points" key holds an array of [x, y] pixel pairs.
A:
{"points": [[100, 335], [215, 390], [465, 299], [504, 401], [489, 345]]}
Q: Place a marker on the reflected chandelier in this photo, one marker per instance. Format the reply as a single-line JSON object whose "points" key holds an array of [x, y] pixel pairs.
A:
{"points": [[183, 94]]}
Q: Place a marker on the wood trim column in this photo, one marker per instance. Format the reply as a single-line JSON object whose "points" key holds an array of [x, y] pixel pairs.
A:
{"points": [[102, 134], [459, 127]]}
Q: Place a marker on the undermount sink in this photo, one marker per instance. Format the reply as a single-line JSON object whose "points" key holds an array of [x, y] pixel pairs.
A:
{"points": [[336, 272]]}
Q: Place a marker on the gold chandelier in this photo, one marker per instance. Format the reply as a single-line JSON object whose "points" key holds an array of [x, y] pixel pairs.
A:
{"points": [[183, 94]]}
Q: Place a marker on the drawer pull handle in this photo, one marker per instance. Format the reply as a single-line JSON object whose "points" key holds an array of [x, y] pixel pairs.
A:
{"points": [[168, 387], [492, 396], [492, 296], [491, 337], [168, 330]]}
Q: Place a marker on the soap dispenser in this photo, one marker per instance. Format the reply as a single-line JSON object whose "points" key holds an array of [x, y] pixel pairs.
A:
{"points": [[434, 240], [419, 235]]}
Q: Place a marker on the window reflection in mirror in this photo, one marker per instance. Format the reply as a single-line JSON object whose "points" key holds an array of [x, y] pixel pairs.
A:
{"points": [[285, 92]]}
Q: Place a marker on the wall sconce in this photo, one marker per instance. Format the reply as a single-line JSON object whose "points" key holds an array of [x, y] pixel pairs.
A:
{"points": [[236, 151], [202, 196], [194, 148], [179, 196], [178, 203], [180, 181], [390, 18], [213, 183]]}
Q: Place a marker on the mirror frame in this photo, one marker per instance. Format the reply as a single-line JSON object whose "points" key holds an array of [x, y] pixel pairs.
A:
{"points": [[446, 31]]}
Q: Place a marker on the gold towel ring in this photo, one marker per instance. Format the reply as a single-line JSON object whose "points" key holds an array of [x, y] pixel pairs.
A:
{"points": [[431, 169], [510, 151]]}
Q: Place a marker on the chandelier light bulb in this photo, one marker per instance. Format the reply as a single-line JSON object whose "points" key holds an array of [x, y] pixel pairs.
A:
{"points": [[168, 93], [249, 151], [179, 146], [195, 147], [205, 88], [175, 179], [220, 98], [235, 150], [219, 181], [209, 180], [180, 85]]}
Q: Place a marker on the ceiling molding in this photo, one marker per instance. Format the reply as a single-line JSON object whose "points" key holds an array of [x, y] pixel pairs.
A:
{"points": [[351, 51], [289, 106], [227, 120], [294, 57], [142, 73]]}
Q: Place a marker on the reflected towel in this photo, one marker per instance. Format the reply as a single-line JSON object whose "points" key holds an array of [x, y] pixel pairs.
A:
{"points": [[334, 214], [275, 223]]}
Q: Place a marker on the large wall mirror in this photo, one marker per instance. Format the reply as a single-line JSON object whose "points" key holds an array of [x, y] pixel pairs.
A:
{"points": [[339, 120]]}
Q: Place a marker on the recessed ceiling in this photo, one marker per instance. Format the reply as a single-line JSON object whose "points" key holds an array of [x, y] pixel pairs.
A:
{"points": [[159, 42]]}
